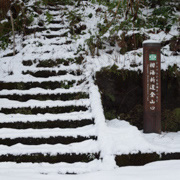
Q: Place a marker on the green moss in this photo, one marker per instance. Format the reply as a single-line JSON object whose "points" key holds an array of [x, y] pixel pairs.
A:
{"points": [[171, 120], [177, 113], [49, 17], [110, 114], [134, 116]]}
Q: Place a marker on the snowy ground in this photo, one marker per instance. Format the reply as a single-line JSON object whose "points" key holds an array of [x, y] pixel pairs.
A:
{"points": [[119, 142], [164, 170], [135, 140]]}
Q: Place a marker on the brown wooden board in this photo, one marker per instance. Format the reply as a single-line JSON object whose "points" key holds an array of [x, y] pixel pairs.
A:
{"points": [[152, 87]]}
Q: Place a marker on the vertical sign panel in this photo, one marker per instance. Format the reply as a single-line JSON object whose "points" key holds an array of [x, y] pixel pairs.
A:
{"points": [[152, 87]]}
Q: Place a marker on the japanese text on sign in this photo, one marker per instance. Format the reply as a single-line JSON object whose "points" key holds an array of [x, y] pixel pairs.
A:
{"points": [[153, 84]]}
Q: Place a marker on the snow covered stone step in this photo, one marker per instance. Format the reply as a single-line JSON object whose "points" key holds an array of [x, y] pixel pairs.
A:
{"points": [[51, 36], [37, 48], [47, 157], [28, 78], [72, 67], [53, 9], [43, 110], [30, 41], [58, 123], [51, 85], [73, 116], [47, 73], [44, 97], [41, 29], [43, 107], [37, 51], [37, 91], [60, 44], [9, 54], [86, 131], [5, 103], [56, 21], [46, 136], [45, 140], [47, 63], [87, 146], [47, 168], [61, 53]]}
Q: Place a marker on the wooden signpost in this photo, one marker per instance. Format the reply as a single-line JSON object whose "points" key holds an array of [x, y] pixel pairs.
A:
{"points": [[152, 86]]}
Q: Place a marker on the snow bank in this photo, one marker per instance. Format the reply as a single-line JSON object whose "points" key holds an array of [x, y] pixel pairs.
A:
{"points": [[164, 170]]}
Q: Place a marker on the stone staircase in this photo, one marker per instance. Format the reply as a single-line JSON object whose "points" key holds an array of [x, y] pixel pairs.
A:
{"points": [[45, 106]]}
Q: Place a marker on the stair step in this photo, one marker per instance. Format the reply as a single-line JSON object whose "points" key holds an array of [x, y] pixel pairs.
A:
{"points": [[44, 97], [60, 44], [10, 54], [56, 22], [28, 78], [73, 116], [47, 109], [47, 157], [47, 168], [41, 29], [52, 8], [48, 63], [46, 136], [47, 124], [35, 91], [45, 85], [85, 131], [84, 147], [51, 36], [43, 107], [76, 68], [47, 73], [5, 103], [51, 140]]}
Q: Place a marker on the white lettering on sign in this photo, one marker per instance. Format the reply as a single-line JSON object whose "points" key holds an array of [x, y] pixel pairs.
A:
{"points": [[152, 87], [152, 102], [152, 65], [152, 108], [152, 80], [152, 72], [152, 94]]}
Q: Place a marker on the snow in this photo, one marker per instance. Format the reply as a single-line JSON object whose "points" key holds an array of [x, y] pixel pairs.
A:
{"points": [[29, 78], [44, 133], [87, 146], [44, 117], [41, 91], [6, 103], [97, 111], [124, 138], [115, 137], [164, 170], [151, 41]]}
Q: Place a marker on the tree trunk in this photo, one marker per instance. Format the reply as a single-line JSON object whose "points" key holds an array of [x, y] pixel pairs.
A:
{"points": [[12, 23]]}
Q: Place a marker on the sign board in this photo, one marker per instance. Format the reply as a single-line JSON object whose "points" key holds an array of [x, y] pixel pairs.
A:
{"points": [[152, 87], [152, 57]]}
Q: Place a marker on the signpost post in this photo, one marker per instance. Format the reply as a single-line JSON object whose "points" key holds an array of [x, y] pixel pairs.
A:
{"points": [[152, 86]]}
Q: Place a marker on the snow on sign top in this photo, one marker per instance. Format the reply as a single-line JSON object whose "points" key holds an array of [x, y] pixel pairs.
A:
{"points": [[151, 41]]}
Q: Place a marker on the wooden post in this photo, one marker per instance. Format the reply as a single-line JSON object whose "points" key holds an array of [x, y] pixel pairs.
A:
{"points": [[152, 86]]}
